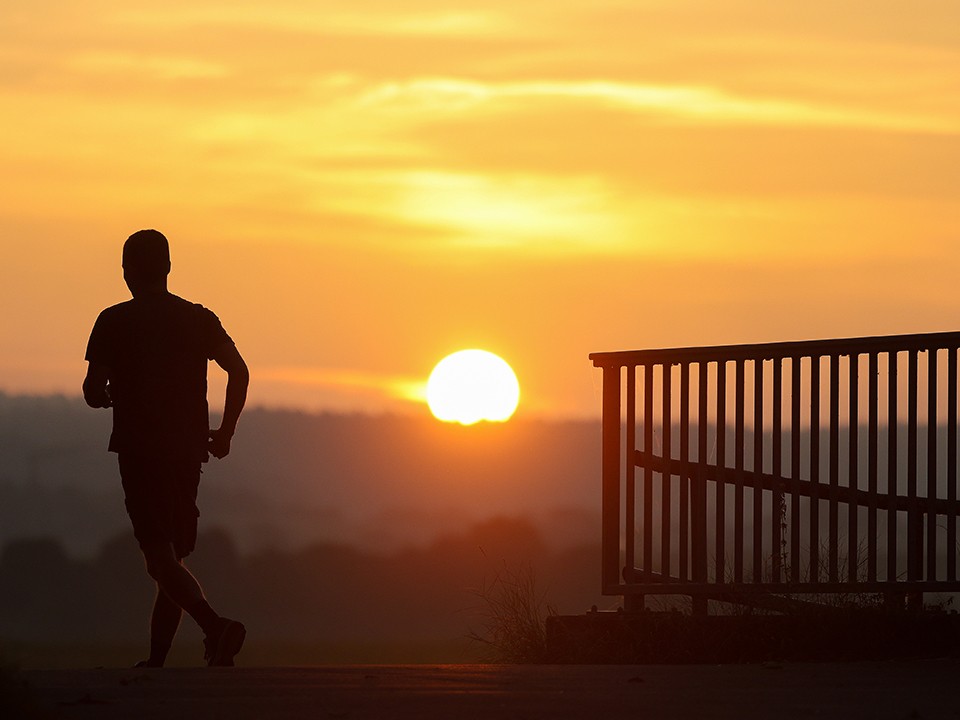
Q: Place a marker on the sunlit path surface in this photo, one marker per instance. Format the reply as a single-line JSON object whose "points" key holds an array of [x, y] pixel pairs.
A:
{"points": [[920, 689]]}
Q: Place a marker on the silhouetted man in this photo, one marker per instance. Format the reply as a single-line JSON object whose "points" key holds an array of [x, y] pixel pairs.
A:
{"points": [[148, 361]]}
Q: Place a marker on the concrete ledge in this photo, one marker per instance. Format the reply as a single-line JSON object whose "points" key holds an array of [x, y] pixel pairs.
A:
{"points": [[672, 637]]}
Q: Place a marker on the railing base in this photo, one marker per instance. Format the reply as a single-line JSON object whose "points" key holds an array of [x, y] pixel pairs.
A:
{"points": [[634, 603], [671, 637]]}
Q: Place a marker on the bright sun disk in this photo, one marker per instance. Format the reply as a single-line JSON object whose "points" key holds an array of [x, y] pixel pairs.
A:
{"points": [[473, 385]]}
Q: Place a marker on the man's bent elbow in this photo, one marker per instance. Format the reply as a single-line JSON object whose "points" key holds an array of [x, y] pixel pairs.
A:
{"points": [[239, 373]]}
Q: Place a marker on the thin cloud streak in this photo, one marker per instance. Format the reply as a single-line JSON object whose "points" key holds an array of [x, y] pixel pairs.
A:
{"points": [[159, 66], [387, 21], [689, 103], [393, 387]]}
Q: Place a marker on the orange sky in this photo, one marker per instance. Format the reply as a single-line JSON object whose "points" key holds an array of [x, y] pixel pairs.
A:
{"points": [[360, 189]]}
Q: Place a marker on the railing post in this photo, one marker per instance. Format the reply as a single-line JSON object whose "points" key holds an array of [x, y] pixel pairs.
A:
{"points": [[610, 499]]}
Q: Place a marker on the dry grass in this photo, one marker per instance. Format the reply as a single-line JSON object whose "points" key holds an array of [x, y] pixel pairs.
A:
{"points": [[514, 617]]}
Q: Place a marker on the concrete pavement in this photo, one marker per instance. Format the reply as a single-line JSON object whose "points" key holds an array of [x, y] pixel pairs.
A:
{"points": [[905, 690]]}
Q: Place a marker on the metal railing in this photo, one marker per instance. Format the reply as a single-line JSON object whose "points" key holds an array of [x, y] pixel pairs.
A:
{"points": [[802, 467]]}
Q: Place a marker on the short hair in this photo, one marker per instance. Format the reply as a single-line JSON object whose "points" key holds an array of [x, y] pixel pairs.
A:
{"points": [[146, 255]]}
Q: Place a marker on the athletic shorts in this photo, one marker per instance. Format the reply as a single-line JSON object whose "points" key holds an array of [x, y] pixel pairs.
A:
{"points": [[161, 498]]}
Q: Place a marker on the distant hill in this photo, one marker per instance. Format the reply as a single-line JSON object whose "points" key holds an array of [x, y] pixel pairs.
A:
{"points": [[379, 483], [321, 603]]}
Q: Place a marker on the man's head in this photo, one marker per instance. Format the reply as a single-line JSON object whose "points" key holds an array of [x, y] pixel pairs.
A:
{"points": [[146, 261]]}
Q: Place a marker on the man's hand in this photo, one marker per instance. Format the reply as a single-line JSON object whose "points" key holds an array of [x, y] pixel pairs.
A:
{"points": [[238, 377], [96, 386], [219, 445]]}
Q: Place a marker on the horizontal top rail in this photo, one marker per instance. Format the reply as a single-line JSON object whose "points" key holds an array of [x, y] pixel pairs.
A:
{"points": [[770, 351]]}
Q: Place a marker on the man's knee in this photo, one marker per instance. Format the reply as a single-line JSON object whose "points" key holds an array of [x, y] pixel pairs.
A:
{"points": [[160, 560]]}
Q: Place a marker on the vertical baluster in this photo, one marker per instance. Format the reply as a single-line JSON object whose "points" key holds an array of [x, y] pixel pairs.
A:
{"points": [[815, 468], [893, 424], [758, 470], [699, 554], [648, 473], [630, 447], [739, 452], [685, 465], [951, 462], [932, 425], [795, 429], [873, 461], [914, 529], [853, 481], [776, 498], [666, 498], [834, 479], [721, 488], [610, 500]]}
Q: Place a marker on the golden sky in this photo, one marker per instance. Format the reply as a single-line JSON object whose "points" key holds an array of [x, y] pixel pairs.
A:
{"points": [[360, 187]]}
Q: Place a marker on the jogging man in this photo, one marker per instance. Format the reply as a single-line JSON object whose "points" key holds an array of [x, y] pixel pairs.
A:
{"points": [[148, 361]]}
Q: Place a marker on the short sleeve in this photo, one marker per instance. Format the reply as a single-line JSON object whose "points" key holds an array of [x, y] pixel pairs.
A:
{"points": [[212, 333], [100, 349]]}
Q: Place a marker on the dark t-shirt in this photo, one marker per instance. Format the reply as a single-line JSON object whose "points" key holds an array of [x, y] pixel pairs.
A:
{"points": [[156, 349]]}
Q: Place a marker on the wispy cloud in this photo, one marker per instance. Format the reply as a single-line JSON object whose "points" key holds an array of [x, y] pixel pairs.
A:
{"points": [[347, 19], [161, 66], [392, 387], [501, 212], [690, 104]]}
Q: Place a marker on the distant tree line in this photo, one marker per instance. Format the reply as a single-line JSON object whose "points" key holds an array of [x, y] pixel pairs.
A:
{"points": [[321, 593]]}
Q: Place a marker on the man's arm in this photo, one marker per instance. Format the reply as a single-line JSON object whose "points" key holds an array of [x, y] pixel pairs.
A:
{"points": [[95, 386], [238, 378]]}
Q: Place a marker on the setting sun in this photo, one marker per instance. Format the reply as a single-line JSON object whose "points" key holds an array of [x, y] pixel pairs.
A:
{"points": [[473, 385]]}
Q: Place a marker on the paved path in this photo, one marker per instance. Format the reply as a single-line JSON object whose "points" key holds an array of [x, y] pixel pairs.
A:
{"points": [[920, 690]]}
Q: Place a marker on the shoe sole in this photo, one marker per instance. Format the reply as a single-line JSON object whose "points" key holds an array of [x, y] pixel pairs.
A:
{"points": [[229, 644]]}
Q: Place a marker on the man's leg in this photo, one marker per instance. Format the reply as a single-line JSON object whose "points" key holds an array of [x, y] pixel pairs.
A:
{"points": [[223, 637], [164, 621]]}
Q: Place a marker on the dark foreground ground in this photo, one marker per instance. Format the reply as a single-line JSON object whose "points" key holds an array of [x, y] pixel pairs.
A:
{"points": [[902, 690]]}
